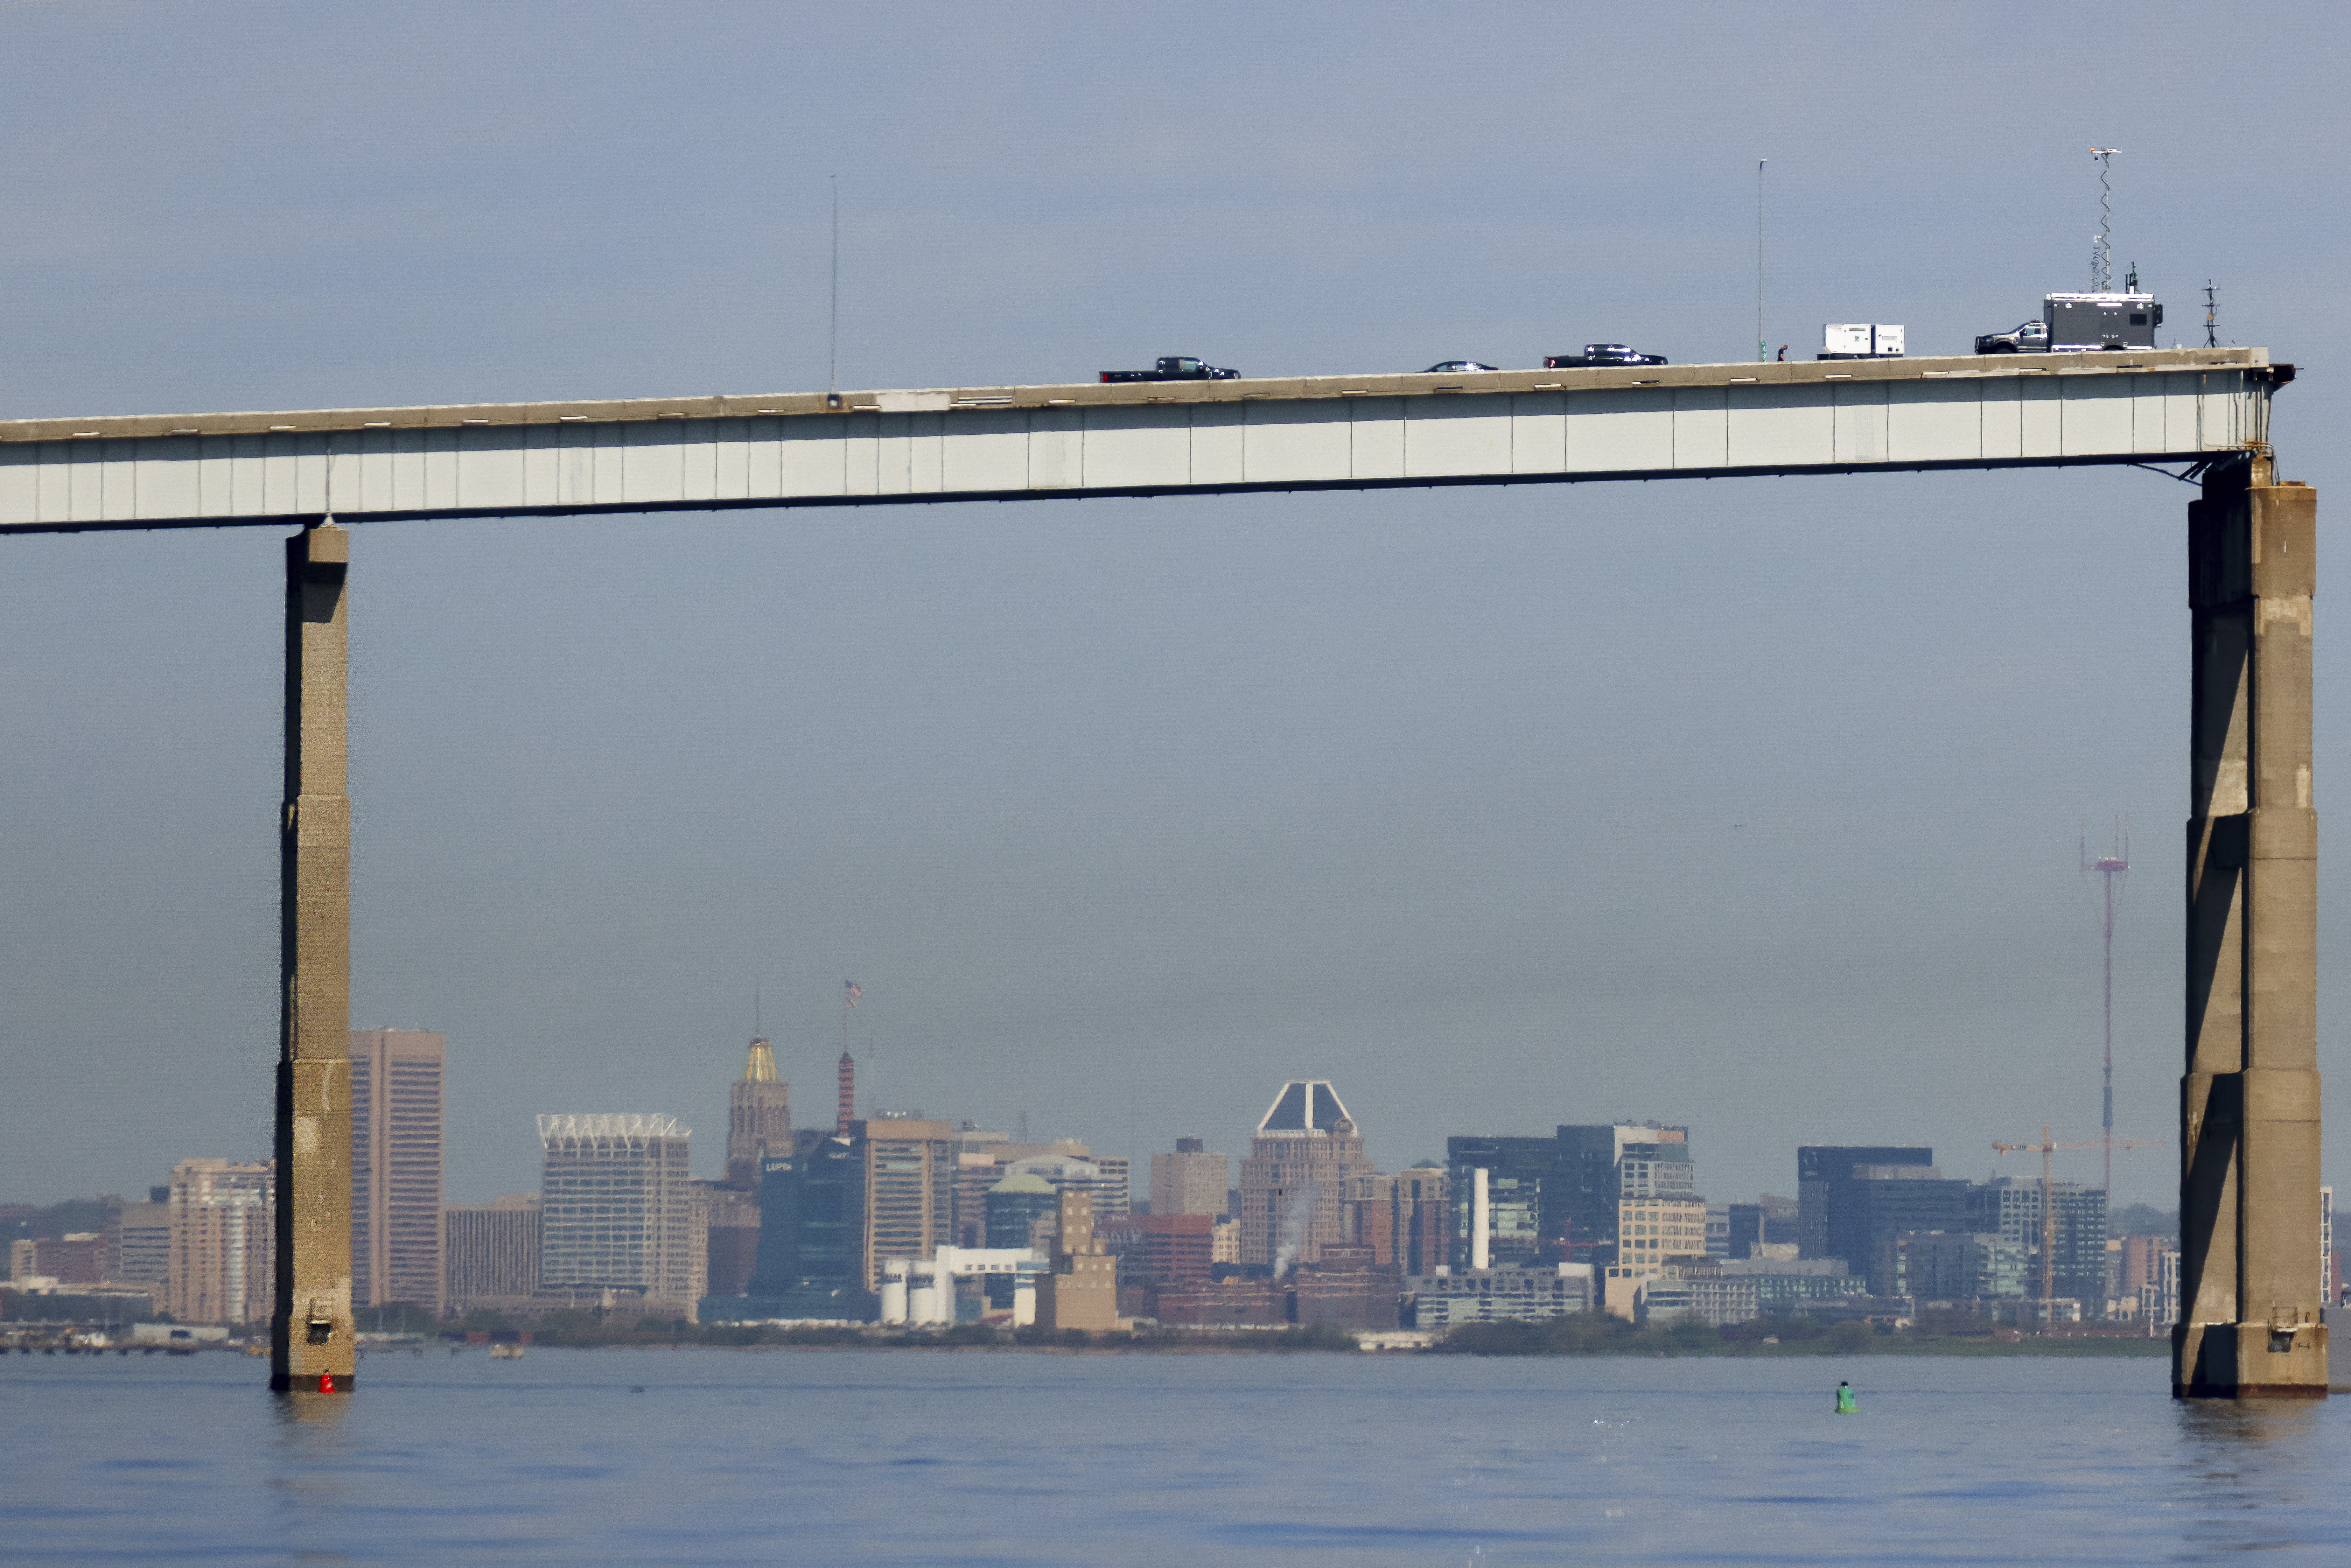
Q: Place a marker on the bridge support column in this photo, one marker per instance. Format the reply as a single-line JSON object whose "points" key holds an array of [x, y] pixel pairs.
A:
{"points": [[311, 1331], [2248, 1220]]}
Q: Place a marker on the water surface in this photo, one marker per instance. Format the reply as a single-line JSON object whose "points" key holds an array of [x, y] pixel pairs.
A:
{"points": [[708, 1457]]}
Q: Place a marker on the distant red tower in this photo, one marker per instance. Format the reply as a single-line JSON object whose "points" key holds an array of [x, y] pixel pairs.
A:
{"points": [[848, 1112]]}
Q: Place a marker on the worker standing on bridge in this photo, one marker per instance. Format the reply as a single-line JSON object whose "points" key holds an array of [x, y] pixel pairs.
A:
{"points": [[1846, 1404], [1783, 354]]}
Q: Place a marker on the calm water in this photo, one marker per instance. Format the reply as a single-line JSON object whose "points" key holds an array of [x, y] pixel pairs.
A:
{"points": [[839, 1457]]}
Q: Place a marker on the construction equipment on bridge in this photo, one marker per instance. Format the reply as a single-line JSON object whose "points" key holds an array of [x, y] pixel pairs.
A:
{"points": [[2048, 1212], [1861, 340]]}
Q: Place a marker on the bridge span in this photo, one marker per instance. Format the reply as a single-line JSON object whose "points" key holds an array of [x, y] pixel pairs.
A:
{"points": [[2250, 1106], [983, 444]]}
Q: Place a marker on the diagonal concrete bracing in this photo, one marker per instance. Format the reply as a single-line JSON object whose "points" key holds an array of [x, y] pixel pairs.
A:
{"points": [[2250, 1288]]}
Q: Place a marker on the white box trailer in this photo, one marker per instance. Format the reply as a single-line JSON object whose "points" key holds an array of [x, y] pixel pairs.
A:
{"points": [[1860, 340]]}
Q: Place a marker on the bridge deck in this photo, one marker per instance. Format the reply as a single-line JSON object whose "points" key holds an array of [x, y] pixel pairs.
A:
{"points": [[1145, 438]]}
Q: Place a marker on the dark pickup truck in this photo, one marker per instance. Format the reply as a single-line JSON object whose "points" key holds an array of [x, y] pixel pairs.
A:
{"points": [[1600, 354], [1174, 368]]}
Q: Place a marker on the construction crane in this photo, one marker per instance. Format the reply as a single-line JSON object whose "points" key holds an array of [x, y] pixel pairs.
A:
{"points": [[2048, 1211]]}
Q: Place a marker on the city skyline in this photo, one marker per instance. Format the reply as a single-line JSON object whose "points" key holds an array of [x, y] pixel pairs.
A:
{"points": [[713, 1163], [1608, 1218]]}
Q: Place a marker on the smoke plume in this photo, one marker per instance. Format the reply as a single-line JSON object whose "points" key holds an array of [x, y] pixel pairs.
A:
{"points": [[1294, 1221]]}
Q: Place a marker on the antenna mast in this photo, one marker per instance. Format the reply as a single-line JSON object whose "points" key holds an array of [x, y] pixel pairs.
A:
{"points": [[2102, 275], [2105, 901], [832, 343], [2211, 315], [1762, 343]]}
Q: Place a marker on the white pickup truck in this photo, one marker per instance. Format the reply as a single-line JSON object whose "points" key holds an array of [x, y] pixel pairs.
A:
{"points": [[2028, 337]]}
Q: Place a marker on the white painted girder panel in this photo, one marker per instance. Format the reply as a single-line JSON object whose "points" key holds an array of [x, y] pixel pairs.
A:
{"points": [[917, 450], [1375, 426], [1294, 443], [1457, 434], [1860, 422], [1791, 424], [2096, 425], [1127, 447], [2041, 422], [1618, 431], [1538, 433], [1942, 422], [1219, 444]]}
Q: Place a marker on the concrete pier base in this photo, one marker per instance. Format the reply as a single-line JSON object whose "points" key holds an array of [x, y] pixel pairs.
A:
{"points": [[311, 1332], [2250, 1287]]}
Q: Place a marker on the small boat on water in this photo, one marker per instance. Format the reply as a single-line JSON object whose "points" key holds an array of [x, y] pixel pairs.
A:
{"points": [[505, 1352]]}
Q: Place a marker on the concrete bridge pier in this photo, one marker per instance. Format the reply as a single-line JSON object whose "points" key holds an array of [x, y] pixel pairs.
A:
{"points": [[311, 1331], [2248, 1220]]}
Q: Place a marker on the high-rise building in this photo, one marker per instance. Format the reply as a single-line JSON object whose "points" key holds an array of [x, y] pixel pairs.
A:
{"points": [[1958, 1266], [1585, 1185], [1021, 1211], [730, 1217], [812, 1230], [224, 1266], [981, 1160], [1517, 1171], [617, 1211], [909, 1185], [1556, 1199], [1294, 1181], [1113, 1190], [489, 1253], [1102, 1179], [76, 1258], [138, 1240], [1500, 1295], [1869, 1206], [1816, 1166], [758, 1117], [2010, 1205], [1659, 1169], [2328, 1271], [397, 1121], [1403, 1218], [1082, 1293], [1160, 1247], [2158, 1304], [2142, 1263], [1191, 1180], [1653, 1232]]}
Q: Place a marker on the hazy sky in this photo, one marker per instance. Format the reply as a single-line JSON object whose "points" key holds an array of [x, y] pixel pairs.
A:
{"points": [[1751, 805]]}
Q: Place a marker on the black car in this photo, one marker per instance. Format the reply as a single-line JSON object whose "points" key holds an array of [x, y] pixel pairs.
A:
{"points": [[1600, 354], [1457, 367]]}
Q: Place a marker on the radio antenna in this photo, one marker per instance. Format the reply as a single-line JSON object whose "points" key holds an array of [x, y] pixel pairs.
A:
{"points": [[2102, 274], [2211, 315], [833, 350], [1763, 344]]}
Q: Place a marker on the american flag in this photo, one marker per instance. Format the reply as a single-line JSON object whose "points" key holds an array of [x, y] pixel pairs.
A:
{"points": [[854, 991]]}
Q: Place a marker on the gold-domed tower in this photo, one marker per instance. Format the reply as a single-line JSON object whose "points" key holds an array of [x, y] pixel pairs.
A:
{"points": [[759, 1116]]}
